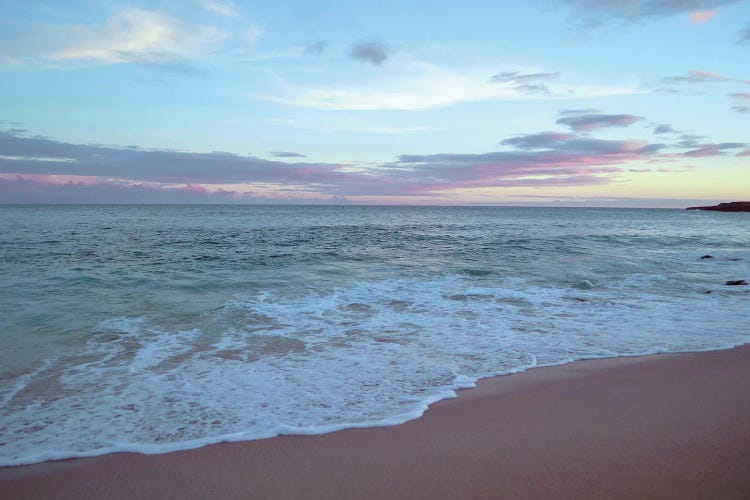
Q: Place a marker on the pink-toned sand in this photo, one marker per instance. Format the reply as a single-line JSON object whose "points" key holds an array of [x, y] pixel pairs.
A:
{"points": [[669, 426]]}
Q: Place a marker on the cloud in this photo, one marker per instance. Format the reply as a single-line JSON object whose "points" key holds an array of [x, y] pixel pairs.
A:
{"points": [[568, 112], [745, 37], [595, 13], [373, 52], [664, 128], [744, 153], [252, 33], [35, 155], [547, 160], [689, 140], [225, 8], [596, 121], [317, 47], [136, 36], [537, 160], [56, 189], [539, 140], [697, 76], [741, 102], [350, 124], [526, 82], [412, 85], [704, 150], [286, 154], [701, 16]]}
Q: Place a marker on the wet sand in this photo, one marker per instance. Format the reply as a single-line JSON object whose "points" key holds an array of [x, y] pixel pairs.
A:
{"points": [[664, 426]]}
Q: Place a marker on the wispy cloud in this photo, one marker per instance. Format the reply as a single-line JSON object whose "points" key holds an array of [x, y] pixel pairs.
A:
{"points": [[413, 85], [741, 102], [139, 36], [540, 140], [718, 149], [286, 154], [225, 8], [664, 128], [373, 52], [136, 36], [585, 122], [701, 16], [316, 47], [594, 13], [697, 76], [526, 82]]}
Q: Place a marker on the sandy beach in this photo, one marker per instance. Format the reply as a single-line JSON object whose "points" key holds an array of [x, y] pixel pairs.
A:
{"points": [[663, 426]]}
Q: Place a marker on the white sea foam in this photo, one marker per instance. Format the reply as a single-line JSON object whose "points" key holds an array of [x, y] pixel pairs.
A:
{"points": [[368, 354]]}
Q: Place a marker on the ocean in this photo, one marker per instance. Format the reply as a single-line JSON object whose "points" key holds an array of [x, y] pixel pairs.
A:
{"points": [[159, 328]]}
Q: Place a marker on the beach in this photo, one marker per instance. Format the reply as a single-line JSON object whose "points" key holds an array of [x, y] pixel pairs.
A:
{"points": [[661, 426]]}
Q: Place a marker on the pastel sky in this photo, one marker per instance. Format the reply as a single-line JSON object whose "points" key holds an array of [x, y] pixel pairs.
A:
{"points": [[561, 102]]}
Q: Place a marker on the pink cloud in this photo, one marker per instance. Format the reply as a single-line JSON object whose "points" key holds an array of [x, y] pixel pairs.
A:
{"points": [[703, 150], [195, 188], [536, 160], [55, 179], [701, 16], [697, 76]]}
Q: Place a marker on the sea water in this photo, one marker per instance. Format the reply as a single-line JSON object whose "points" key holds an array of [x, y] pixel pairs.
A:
{"points": [[157, 328]]}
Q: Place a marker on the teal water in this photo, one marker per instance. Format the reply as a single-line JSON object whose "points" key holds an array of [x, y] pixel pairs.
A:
{"points": [[153, 328]]}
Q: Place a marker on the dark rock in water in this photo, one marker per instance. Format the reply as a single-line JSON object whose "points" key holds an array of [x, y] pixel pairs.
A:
{"points": [[735, 206], [735, 282], [733, 259], [707, 291], [707, 257]]}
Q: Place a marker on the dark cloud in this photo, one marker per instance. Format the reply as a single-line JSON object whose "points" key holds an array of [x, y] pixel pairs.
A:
{"points": [[689, 140], [569, 112], [34, 155], [714, 149], [664, 128], [595, 121], [741, 102], [286, 154], [697, 76], [744, 153], [745, 37], [530, 83], [373, 52], [317, 47], [541, 140], [562, 158], [595, 13]]}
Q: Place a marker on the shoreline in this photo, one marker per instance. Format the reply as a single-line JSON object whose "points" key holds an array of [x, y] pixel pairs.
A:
{"points": [[417, 413], [479, 444]]}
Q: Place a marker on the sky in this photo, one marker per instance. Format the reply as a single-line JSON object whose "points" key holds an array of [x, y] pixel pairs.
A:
{"points": [[642, 103]]}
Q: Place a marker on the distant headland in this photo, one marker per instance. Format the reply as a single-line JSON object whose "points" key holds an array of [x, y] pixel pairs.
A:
{"points": [[735, 206]]}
